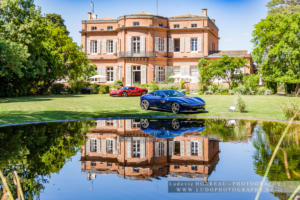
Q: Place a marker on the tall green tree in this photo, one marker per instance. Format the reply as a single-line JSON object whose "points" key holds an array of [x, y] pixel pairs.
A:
{"points": [[283, 6], [52, 54], [277, 44], [226, 68]]}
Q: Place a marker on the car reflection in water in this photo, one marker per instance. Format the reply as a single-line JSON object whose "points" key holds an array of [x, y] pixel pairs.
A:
{"points": [[145, 149]]}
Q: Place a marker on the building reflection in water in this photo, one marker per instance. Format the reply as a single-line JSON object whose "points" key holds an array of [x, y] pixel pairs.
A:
{"points": [[145, 149]]}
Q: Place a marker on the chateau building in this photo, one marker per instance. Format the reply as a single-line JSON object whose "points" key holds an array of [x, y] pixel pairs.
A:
{"points": [[141, 48], [121, 147]]}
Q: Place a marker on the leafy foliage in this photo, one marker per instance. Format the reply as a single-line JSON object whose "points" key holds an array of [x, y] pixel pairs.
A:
{"points": [[241, 104], [283, 6], [42, 50], [225, 68]]}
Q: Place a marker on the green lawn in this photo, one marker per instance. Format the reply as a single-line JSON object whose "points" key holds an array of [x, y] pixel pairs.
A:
{"points": [[47, 108]]}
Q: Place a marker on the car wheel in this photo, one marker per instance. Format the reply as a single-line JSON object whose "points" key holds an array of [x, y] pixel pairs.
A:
{"points": [[144, 92], [124, 94], [175, 124], [144, 123], [145, 105], [175, 108]]}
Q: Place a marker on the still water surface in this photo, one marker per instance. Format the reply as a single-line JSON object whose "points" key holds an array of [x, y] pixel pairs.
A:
{"points": [[137, 158]]}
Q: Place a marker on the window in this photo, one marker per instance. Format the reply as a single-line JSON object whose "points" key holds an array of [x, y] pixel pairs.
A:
{"points": [[109, 146], [176, 26], [110, 46], [177, 148], [194, 148], [161, 74], [136, 74], [176, 45], [93, 145], [136, 23], [161, 25], [94, 46], [93, 164], [194, 25], [136, 148], [136, 45], [94, 28], [136, 123], [176, 70], [137, 170], [176, 167], [109, 164], [109, 28], [161, 44], [161, 147], [110, 74], [194, 44], [194, 167]]}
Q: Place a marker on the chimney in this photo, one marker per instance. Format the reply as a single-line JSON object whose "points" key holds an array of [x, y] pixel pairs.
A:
{"points": [[204, 12], [213, 20], [89, 15]]}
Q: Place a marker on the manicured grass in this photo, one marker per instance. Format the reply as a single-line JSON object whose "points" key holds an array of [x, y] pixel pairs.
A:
{"points": [[47, 108]]}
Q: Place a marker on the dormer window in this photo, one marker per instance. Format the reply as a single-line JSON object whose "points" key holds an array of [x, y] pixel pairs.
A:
{"points": [[176, 26], [136, 23], [94, 28], [194, 25], [109, 28]]}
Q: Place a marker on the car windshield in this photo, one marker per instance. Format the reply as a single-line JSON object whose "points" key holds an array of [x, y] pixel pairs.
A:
{"points": [[173, 93], [124, 88]]}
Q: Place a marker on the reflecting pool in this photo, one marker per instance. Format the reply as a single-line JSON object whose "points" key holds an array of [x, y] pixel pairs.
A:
{"points": [[147, 159]]}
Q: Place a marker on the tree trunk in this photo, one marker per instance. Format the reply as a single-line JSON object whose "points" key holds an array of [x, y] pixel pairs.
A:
{"points": [[297, 90]]}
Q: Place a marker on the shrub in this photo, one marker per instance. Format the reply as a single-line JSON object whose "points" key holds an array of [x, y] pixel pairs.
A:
{"points": [[231, 92], [241, 89], [103, 89], [95, 88], [153, 86], [261, 90], [290, 109], [77, 86], [251, 82], [181, 83], [117, 84], [222, 89], [240, 104], [208, 92], [169, 87], [170, 80], [58, 88]]}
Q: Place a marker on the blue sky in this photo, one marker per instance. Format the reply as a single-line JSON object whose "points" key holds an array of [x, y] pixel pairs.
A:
{"points": [[234, 18]]}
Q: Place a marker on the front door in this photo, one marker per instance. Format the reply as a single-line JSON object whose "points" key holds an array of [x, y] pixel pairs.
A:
{"points": [[136, 74]]}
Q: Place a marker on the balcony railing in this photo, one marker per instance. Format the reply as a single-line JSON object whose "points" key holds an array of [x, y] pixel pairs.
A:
{"points": [[125, 54]]}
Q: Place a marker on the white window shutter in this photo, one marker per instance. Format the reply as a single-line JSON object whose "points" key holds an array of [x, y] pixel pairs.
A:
{"points": [[128, 75], [115, 72], [182, 148], [165, 45], [171, 45], [120, 73], [104, 47], [103, 145], [165, 148], [114, 146], [171, 148], [187, 70], [103, 73], [156, 145], [182, 70], [98, 145], [156, 78], [114, 46], [88, 47], [182, 45], [143, 45], [143, 148], [98, 46], [128, 45], [128, 147], [188, 148], [156, 44], [144, 74], [88, 146], [188, 45], [200, 44], [200, 148], [119, 46]]}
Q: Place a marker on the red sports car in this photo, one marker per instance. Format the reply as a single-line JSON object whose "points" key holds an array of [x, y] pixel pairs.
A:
{"points": [[128, 91]]}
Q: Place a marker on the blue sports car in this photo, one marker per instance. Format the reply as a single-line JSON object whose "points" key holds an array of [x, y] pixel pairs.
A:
{"points": [[171, 100], [171, 128]]}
